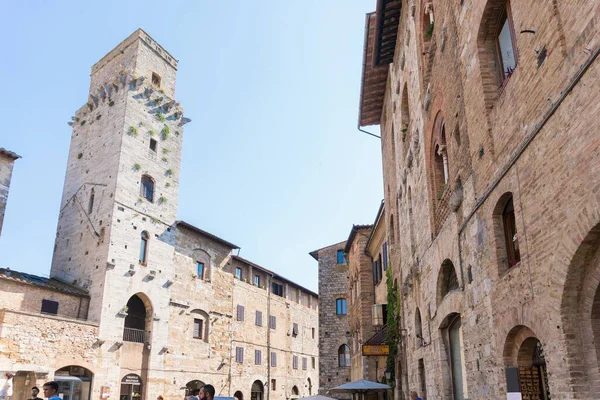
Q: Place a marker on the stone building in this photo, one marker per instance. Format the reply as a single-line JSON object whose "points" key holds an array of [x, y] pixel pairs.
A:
{"points": [[7, 161], [488, 113], [139, 303], [334, 331]]}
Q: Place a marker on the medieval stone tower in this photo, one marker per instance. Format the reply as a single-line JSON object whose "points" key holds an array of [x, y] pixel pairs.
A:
{"points": [[119, 202]]}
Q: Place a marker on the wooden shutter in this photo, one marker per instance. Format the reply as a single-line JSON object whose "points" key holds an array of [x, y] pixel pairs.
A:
{"points": [[258, 318], [257, 357], [385, 256], [273, 359], [272, 322], [304, 363], [295, 362], [239, 354], [240, 313]]}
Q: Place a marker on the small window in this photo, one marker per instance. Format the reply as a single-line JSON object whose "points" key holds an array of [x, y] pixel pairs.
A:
{"points": [[198, 325], [344, 356], [256, 280], [148, 188], [313, 332], [304, 363], [295, 330], [273, 384], [510, 233], [200, 269], [91, 203], [278, 289], [314, 362], [341, 257], [273, 359], [238, 273], [258, 320], [153, 145], [340, 306], [239, 354], [384, 250], [156, 79], [257, 357], [506, 55], [295, 362], [50, 307], [240, 312], [144, 248], [272, 322]]}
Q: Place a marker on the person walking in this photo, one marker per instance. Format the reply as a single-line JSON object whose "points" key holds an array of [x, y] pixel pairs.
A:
{"points": [[34, 393], [414, 396], [209, 392], [7, 389], [51, 390]]}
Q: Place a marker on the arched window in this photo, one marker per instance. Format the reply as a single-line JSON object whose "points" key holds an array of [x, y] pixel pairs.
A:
{"points": [[91, 203], [144, 248], [418, 328], [447, 280], [344, 356], [200, 325], [135, 321], [340, 306], [507, 241], [439, 173], [427, 20], [147, 188], [295, 391], [405, 117]]}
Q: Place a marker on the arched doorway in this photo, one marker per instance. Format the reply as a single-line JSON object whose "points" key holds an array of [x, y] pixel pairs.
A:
{"points": [[192, 388], [131, 387], [295, 392], [74, 382], [238, 395], [257, 391], [134, 329], [525, 364]]}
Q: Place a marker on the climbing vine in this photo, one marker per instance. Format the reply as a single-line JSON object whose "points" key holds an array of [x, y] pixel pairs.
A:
{"points": [[393, 311]]}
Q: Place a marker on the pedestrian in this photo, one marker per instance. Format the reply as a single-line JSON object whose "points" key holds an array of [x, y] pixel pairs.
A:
{"points": [[201, 394], [194, 395], [7, 389], [209, 392], [34, 393], [51, 390], [414, 396]]}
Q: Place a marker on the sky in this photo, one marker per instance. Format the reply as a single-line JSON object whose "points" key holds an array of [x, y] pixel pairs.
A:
{"points": [[272, 160]]}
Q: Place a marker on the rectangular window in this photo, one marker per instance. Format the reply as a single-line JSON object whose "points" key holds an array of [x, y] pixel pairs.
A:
{"points": [[304, 363], [258, 320], [198, 328], [341, 257], [273, 359], [505, 44], [340, 306], [313, 332], [277, 289], [257, 357], [256, 280], [239, 354], [50, 307], [294, 330], [153, 145], [314, 362], [240, 313], [273, 384], [384, 250], [200, 270], [295, 362], [272, 322], [238, 273]]}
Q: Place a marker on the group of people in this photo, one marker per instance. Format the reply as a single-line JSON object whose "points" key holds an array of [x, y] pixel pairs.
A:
{"points": [[206, 392], [50, 389]]}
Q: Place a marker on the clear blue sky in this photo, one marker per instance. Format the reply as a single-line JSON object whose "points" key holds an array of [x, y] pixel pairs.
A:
{"points": [[272, 160]]}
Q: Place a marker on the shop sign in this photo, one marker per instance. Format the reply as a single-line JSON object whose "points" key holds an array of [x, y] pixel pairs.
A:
{"points": [[375, 350]]}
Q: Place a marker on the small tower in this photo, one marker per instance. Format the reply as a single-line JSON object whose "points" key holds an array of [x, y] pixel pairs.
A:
{"points": [[121, 188]]}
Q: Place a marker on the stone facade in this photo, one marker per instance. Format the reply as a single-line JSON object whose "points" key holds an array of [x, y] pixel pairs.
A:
{"points": [[491, 189], [334, 330], [7, 160], [141, 296]]}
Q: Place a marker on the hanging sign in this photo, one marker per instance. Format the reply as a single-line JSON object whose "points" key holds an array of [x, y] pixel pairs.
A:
{"points": [[132, 379], [375, 350]]}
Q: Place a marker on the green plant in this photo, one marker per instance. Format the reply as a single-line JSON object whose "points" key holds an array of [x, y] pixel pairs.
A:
{"points": [[392, 337], [111, 103], [429, 31], [168, 184], [79, 156], [154, 220], [160, 116], [404, 128], [165, 132], [169, 172], [162, 200], [141, 123], [133, 131], [177, 133], [404, 137], [166, 151], [161, 90], [82, 123], [152, 132], [165, 159], [137, 167]]}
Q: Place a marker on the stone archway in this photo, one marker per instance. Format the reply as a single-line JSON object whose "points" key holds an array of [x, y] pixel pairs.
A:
{"points": [[192, 388], [257, 391], [74, 382]]}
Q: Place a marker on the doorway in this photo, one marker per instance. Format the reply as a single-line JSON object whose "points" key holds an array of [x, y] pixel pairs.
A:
{"points": [[74, 382]]}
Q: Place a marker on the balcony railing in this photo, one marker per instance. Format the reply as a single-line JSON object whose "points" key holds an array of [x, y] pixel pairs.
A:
{"points": [[133, 335]]}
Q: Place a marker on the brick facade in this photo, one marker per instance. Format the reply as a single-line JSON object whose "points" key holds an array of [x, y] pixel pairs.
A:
{"points": [[478, 309]]}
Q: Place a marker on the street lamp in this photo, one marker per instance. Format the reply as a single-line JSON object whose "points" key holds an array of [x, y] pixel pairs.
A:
{"points": [[388, 375]]}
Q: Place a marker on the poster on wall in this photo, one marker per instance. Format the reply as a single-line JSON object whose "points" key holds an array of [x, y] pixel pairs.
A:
{"points": [[105, 392]]}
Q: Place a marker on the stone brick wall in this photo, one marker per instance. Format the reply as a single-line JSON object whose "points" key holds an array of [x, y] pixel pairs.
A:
{"points": [[528, 138], [334, 330], [6, 167]]}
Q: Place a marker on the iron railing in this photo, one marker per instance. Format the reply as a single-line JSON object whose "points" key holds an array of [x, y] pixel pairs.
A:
{"points": [[133, 335]]}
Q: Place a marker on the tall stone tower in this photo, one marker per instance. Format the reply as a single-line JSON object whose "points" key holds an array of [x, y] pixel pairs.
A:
{"points": [[120, 195]]}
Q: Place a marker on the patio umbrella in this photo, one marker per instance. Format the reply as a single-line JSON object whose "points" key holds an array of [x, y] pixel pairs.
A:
{"points": [[360, 386]]}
